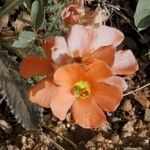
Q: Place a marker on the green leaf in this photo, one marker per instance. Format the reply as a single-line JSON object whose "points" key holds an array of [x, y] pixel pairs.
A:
{"points": [[142, 14], [14, 91], [25, 39], [37, 14]]}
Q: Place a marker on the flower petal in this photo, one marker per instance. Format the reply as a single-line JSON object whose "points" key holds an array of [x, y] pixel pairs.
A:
{"points": [[35, 66], [117, 81], [98, 71], [79, 40], [41, 93], [47, 47], [61, 102], [87, 114], [71, 19], [107, 96], [105, 53], [59, 50], [125, 63], [68, 75], [105, 36]]}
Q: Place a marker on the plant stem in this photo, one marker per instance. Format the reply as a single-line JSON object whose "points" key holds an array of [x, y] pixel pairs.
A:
{"points": [[131, 92]]}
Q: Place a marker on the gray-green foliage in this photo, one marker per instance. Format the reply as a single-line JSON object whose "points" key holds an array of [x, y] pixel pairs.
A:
{"points": [[142, 14], [25, 39], [37, 14], [55, 24], [14, 89]]}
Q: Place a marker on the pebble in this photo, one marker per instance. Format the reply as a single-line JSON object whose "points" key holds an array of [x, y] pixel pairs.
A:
{"points": [[115, 138], [127, 106], [147, 115], [100, 138], [89, 144], [126, 134], [5, 126], [128, 127]]}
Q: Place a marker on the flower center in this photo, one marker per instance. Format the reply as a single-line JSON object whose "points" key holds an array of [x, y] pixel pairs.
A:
{"points": [[81, 89], [78, 59]]}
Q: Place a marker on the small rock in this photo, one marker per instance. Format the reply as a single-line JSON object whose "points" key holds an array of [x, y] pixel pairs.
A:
{"points": [[89, 144], [68, 125], [128, 127], [106, 127], [100, 138], [147, 115], [146, 142], [45, 139], [127, 134], [5, 126], [143, 133], [115, 138], [23, 140], [127, 106]]}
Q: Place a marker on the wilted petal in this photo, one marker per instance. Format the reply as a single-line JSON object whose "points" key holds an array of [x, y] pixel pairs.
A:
{"points": [[105, 36], [79, 40], [105, 53], [41, 93], [125, 63], [61, 102], [117, 81], [87, 114], [68, 75], [47, 45], [107, 96], [71, 14], [59, 50], [35, 66], [98, 71]]}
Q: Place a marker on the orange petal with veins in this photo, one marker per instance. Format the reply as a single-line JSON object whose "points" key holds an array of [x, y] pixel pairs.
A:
{"points": [[98, 71], [61, 102], [41, 93], [35, 66], [68, 75], [105, 53], [117, 81], [105, 35], [107, 96], [79, 40], [87, 114], [125, 63], [47, 46]]}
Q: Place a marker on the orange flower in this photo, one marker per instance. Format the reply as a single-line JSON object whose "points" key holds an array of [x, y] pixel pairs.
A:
{"points": [[88, 85], [37, 66], [86, 45], [84, 91], [71, 14]]}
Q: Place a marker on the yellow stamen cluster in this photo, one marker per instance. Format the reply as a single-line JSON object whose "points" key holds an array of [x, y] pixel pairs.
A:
{"points": [[81, 89]]}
